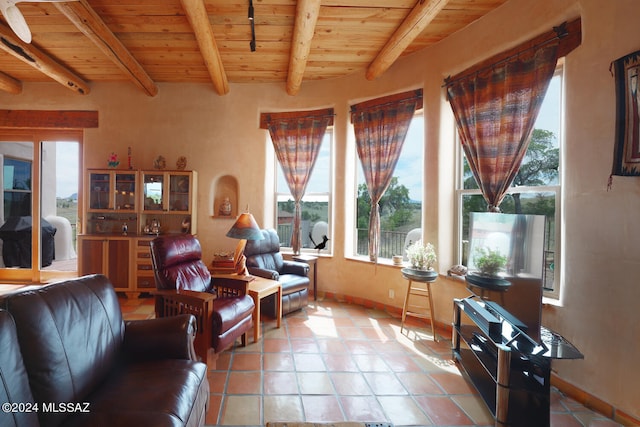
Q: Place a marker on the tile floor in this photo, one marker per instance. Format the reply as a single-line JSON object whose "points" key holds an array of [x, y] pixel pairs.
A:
{"points": [[344, 362]]}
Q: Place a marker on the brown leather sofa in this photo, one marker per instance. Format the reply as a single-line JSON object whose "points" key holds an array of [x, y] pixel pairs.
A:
{"points": [[69, 359], [264, 259]]}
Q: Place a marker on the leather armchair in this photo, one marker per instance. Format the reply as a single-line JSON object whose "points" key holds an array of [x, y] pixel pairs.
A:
{"points": [[264, 259], [221, 305]]}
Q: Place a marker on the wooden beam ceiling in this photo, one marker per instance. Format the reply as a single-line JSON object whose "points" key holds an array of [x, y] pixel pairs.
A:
{"points": [[9, 84], [91, 25], [39, 60], [417, 20], [199, 20], [307, 12]]}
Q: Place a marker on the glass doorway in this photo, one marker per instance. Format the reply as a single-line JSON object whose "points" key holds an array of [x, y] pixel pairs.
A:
{"points": [[38, 239]]}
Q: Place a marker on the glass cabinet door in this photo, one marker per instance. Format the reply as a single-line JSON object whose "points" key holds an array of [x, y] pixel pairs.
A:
{"points": [[125, 191], [100, 190], [153, 188], [179, 192]]}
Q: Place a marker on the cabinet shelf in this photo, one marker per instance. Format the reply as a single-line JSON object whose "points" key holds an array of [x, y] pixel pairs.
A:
{"points": [[135, 198]]}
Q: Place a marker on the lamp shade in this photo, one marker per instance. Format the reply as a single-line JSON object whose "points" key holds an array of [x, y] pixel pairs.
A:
{"points": [[246, 228]]}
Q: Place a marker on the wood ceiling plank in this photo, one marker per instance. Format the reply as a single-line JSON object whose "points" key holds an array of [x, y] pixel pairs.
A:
{"points": [[92, 26]]}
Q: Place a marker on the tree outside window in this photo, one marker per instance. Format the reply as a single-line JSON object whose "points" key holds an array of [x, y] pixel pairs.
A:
{"points": [[401, 205]]}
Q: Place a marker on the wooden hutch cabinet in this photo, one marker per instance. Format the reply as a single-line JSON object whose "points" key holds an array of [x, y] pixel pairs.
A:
{"points": [[124, 210]]}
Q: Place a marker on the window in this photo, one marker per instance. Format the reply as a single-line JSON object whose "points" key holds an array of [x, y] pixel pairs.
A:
{"points": [[17, 187], [316, 203], [401, 206], [536, 189]]}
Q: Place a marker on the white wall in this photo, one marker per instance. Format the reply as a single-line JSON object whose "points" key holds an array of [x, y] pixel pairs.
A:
{"points": [[219, 135]]}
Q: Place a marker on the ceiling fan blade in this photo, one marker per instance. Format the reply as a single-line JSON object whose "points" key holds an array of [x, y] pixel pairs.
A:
{"points": [[16, 21]]}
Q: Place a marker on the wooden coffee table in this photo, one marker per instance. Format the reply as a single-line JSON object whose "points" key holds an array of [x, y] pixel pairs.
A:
{"points": [[258, 289]]}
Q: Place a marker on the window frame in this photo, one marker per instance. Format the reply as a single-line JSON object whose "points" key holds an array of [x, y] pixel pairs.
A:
{"points": [[330, 134], [357, 173], [460, 192]]}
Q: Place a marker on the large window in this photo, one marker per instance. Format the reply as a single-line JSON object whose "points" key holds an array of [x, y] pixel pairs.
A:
{"points": [[316, 203], [536, 188], [401, 205]]}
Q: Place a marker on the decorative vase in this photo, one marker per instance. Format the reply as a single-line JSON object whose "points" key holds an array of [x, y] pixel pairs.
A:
{"points": [[225, 207]]}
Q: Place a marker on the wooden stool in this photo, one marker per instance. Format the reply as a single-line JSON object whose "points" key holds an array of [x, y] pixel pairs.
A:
{"points": [[418, 291]]}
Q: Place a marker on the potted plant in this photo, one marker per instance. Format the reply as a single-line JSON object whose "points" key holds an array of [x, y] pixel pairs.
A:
{"points": [[489, 263], [422, 258]]}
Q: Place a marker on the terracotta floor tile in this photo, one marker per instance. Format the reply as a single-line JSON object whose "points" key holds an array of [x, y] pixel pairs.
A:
{"points": [[443, 411], [384, 383], [281, 383], [215, 403], [350, 384], [304, 345], [244, 382], [418, 383], [322, 408], [315, 383], [371, 363], [362, 408], [276, 345], [278, 362], [241, 410], [308, 362], [402, 410], [339, 361], [217, 381], [283, 408], [246, 362], [331, 346]]}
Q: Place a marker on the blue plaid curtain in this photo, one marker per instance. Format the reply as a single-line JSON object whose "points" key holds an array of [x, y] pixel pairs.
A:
{"points": [[380, 127], [296, 138]]}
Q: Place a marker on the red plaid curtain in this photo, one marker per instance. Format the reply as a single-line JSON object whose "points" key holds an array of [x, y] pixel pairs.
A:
{"points": [[495, 110], [297, 137], [381, 126]]}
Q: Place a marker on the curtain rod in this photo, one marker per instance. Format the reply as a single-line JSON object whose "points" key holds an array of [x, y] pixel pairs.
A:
{"points": [[370, 104], [561, 32]]}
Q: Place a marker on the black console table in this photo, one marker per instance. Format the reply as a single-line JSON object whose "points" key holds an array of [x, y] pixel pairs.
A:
{"points": [[510, 370]]}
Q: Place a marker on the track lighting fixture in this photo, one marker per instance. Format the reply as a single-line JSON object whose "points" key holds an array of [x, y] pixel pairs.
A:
{"points": [[252, 44]]}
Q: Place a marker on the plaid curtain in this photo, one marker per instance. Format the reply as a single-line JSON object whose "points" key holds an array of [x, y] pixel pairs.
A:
{"points": [[495, 110], [380, 127], [296, 138]]}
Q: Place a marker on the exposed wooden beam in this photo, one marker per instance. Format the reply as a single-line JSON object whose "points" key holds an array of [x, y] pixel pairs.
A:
{"points": [[43, 119], [417, 20], [307, 12], [199, 20], [82, 15], [9, 84], [39, 60]]}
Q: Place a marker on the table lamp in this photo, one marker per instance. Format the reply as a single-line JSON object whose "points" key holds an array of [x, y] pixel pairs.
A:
{"points": [[245, 228]]}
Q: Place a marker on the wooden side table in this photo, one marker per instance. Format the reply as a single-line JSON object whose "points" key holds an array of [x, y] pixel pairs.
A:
{"points": [[258, 289], [312, 260]]}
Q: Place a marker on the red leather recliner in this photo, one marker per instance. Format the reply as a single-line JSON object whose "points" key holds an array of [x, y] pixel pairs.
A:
{"points": [[222, 306]]}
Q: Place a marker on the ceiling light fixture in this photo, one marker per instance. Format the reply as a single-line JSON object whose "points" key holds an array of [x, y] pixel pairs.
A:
{"points": [[252, 44]]}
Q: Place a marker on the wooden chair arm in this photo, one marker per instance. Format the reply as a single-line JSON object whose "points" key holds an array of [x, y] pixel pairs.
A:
{"points": [[230, 285], [170, 302]]}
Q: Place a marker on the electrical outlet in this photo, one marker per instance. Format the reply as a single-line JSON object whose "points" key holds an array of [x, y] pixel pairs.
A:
{"points": [[392, 294]]}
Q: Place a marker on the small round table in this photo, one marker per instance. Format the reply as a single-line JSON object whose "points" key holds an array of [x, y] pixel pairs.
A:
{"points": [[419, 276]]}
